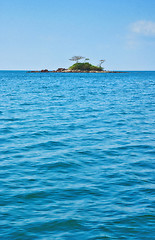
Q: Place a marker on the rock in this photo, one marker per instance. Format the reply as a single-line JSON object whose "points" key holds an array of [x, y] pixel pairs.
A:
{"points": [[60, 69], [44, 70]]}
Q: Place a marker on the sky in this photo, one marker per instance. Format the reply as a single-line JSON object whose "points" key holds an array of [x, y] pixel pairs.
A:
{"points": [[39, 34]]}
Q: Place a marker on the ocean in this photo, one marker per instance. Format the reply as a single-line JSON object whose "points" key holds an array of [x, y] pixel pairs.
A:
{"points": [[77, 156]]}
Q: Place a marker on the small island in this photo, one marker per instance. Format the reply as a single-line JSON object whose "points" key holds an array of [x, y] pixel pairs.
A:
{"points": [[81, 67]]}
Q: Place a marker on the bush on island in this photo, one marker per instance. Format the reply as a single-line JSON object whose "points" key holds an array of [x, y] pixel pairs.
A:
{"points": [[85, 67]]}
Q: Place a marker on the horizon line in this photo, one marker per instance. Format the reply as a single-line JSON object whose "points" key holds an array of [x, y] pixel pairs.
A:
{"points": [[53, 69]]}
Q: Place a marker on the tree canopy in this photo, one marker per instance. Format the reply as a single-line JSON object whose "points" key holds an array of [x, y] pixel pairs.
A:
{"points": [[76, 58], [85, 67]]}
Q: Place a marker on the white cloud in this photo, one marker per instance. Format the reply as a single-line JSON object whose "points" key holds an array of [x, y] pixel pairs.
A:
{"points": [[143, 27]]}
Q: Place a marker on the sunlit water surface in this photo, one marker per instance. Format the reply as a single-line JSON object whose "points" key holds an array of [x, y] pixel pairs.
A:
{"points": [[76, 155]]}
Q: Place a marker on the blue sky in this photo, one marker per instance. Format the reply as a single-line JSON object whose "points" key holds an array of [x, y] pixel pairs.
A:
{"points": [[38, 34]]}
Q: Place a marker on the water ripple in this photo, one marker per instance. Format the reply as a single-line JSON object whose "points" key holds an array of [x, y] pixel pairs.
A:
{"points": [[77, 156]]}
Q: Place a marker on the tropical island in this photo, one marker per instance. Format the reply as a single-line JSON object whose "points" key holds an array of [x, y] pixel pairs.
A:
{"points": [[81, 67]]}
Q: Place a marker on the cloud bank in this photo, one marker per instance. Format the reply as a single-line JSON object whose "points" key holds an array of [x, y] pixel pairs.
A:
{"points": [[143, 27]]}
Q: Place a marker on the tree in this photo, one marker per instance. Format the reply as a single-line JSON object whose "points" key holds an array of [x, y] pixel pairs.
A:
{"points": [[76, 58], [87, 59], [101, 62]]}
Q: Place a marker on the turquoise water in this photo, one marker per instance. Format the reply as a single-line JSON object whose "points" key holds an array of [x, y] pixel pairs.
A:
{"points": [[76, 156]]}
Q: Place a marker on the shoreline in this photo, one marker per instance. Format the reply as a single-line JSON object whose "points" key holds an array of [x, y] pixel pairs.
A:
{"points": [[63, 70]]}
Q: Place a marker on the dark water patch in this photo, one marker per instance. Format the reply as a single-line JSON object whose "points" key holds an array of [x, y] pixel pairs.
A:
{"points": [[6, 130], [60, 165], [9, 119], [49, 145], [70, 224], [32, 195]]}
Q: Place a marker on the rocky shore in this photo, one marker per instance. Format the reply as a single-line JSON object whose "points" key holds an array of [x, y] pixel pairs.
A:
{"points": [[64, 70]]}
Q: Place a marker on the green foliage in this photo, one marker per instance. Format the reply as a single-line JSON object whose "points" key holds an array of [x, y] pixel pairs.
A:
{"points": [[85, 67]]}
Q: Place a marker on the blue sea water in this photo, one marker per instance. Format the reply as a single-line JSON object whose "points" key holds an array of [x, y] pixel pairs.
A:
{"points": [[76, 156]]}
